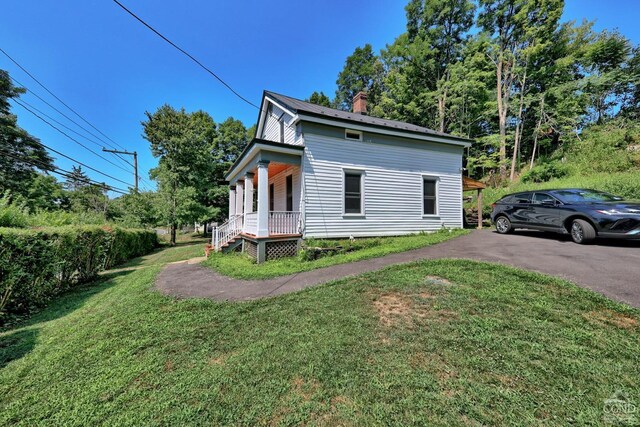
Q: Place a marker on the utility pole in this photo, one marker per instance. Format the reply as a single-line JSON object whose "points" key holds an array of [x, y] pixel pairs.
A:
{"points": [[135, 162]]}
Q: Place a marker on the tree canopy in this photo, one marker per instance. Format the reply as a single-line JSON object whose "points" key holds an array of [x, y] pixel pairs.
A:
{"points": [[506, 73], [22, 157]]}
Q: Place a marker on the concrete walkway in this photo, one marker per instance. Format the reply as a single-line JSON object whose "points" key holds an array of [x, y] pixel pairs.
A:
{"points": [[611, 268]]}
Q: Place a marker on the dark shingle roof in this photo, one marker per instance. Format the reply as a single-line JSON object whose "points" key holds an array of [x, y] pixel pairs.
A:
{"points": [[298, 106]]}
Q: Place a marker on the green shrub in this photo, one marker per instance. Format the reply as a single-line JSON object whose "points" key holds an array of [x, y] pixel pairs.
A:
{"points": [[545, 172], [37, 264], [61, 218], [11, 213]]}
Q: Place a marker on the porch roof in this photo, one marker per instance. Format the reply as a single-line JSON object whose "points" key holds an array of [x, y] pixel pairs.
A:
{"points": [[263, 150], [469, 184]]}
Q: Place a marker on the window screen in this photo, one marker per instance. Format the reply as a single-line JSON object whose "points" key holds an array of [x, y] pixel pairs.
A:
{"points": [[352, 193], [429, 195]]}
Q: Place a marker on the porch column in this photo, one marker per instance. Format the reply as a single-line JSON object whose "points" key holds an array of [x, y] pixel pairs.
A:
{"points": [[232, 200], [263, 199], [248, 192], [239, 197]]}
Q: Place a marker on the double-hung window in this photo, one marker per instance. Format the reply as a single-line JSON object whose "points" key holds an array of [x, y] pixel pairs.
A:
{"points": [[429, 196], [353, 193]]}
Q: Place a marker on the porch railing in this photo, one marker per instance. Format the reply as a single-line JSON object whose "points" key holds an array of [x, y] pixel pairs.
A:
{"points": [[280, 222], [284, 222], [226, 232], [251, 223]]}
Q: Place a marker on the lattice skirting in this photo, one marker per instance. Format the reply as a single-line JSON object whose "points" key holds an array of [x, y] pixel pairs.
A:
{"points": [[251, 248], [281, 249]]}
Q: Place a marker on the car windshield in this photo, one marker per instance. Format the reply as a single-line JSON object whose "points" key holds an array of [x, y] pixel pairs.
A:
{"points": [[586, 196]]}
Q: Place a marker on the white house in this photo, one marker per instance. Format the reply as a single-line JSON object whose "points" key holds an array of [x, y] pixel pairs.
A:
{"points": [[314, 171]]}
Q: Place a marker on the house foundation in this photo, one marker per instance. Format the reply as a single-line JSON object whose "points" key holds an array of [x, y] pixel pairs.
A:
{"points": [[268, 248]]}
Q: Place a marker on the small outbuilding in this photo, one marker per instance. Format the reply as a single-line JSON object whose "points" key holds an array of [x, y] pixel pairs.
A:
{"points": [[469, 184]]}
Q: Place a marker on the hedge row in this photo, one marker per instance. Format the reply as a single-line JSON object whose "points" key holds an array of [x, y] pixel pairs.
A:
{"points": [[37, 264]]}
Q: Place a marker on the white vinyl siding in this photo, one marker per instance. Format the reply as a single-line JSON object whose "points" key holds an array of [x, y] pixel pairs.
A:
{"points": [[280, 187], [392, 186], [272, 127]]}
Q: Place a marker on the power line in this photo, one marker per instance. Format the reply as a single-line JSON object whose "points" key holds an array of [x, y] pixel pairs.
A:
{"points": [[56, 97], [66, 127], [146, 184], [85, 137], [60, 171], [67, 157], [186, 53], [65, 116], [70, 137], [57, 169]]}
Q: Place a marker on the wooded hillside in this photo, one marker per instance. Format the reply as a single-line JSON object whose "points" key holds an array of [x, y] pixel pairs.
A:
{"points": [[508, 74]]}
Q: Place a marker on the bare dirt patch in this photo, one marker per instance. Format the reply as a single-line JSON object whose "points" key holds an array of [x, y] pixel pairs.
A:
{"points": [[221, 359], [611, 317], [304, 389], [395, 308]]}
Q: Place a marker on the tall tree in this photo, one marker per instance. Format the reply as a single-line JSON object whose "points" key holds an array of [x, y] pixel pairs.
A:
{"points": [[515, 26], [77, 179], [363, 71], [319, 99], [607, 80], [441, 26], [21, 155], [184, 143], [419, 63], [232, 137]]}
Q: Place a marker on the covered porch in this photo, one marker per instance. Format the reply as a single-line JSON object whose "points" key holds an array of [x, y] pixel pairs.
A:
{"points": [[264, 198]]}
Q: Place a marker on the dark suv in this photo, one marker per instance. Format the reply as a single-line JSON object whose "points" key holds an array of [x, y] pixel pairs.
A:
{"points": [[585, 214]]}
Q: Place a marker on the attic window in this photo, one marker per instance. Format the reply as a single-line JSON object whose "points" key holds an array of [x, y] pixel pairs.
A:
{"points": [[354, 135]]}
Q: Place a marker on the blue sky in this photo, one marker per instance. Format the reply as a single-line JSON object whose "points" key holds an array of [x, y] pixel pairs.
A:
{"points": [[111, 69]]}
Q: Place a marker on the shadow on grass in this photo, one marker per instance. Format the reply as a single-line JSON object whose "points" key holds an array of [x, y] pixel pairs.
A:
{"points": [[16, 345], [62, 304]]}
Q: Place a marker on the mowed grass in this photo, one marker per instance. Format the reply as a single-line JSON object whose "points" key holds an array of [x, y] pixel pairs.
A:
{"points": [[241, 266], [444, 342]]}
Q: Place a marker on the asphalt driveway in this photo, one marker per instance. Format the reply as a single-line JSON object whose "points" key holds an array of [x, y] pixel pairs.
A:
{"points": [[609, 267]]}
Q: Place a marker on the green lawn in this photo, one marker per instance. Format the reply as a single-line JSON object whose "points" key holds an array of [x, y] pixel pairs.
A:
{"points": [[431, 343], [240, 266]]}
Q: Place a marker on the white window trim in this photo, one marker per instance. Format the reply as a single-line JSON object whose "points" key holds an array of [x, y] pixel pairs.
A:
{"points": [[359, 132], [435, 178], [360, 172]]}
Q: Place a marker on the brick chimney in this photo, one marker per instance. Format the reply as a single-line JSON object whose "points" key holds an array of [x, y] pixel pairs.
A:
{"points": [[360, 103]]}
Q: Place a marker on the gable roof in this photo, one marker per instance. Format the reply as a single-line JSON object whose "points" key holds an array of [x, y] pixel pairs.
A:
{"points": [[298, 106]]}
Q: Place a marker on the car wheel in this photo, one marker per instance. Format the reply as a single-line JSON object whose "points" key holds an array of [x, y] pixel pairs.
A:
{"points": [[582, 232], [503, 225]]}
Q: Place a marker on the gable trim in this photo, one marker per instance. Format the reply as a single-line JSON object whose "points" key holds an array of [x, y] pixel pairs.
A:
{"points": [[462, 142]]}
